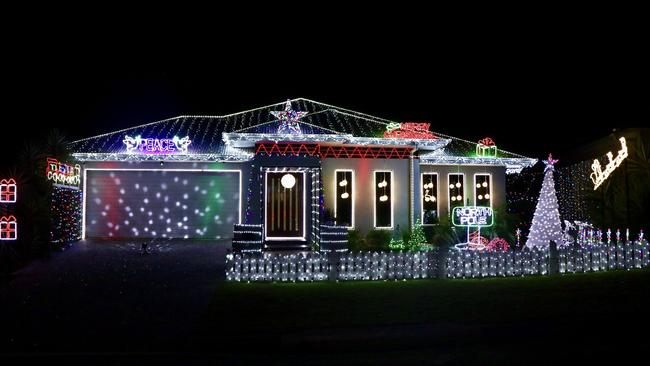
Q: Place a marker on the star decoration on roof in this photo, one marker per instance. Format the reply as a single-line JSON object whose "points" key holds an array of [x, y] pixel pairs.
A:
{"points": [[550, 162], [289, 119]]}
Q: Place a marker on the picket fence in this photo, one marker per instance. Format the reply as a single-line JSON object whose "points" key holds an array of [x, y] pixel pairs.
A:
{"points": [[320, 266], [604, 257]]}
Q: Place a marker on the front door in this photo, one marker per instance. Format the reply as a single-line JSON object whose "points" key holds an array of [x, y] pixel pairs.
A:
{"points": [[285, 206]]}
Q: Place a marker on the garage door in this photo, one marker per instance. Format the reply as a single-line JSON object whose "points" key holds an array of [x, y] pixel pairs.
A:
{"points": [[162, 204]]}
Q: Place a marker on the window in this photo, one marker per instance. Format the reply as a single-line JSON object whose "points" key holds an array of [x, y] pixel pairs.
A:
{"points": [[429, 198], [344, 200], [383, 199], [456, 190], [482, 190]]}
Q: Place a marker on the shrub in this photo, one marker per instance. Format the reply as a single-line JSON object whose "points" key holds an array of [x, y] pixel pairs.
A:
{"points": [[444, 234], [356, 242], [377, 240], [396, 245]]}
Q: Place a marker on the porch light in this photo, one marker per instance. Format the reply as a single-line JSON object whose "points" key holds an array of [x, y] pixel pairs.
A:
{"points": [[288, 181]]}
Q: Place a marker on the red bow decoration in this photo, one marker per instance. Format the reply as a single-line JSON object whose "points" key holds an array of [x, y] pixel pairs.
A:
{"points": [[486, 141]]}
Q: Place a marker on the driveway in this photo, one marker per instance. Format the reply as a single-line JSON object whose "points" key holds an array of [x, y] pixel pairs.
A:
{"points": [[105, 296]]}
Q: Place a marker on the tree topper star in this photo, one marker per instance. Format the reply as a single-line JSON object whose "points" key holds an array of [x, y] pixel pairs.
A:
{"points": [[550, 162], [289, 119]]}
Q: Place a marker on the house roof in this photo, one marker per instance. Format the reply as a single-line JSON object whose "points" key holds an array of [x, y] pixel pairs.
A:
{"points": [[207, 134]]}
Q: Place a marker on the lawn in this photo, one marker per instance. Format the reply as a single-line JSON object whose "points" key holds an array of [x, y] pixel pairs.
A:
{"points": [[371, 314]]}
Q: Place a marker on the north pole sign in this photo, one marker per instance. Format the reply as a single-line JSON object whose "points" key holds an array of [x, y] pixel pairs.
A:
{"points": [[472, 216]]}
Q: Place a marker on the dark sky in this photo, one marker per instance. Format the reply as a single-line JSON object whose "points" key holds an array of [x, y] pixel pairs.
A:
{"points": [[530, 103]]}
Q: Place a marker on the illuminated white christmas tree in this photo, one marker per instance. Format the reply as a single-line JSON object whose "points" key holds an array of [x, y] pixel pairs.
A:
{"points": [[546, 221]]}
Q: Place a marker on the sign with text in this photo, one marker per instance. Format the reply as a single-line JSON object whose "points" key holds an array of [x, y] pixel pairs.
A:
{"points": [[599, 175], [408, 130], [143, 145], [63, 174], [472, 216]]}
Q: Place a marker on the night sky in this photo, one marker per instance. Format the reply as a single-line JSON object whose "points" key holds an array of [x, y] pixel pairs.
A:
{"points": [[531, 104]]}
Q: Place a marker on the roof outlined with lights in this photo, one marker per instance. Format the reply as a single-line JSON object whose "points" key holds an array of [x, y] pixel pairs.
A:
{"points": [[213, 137]]}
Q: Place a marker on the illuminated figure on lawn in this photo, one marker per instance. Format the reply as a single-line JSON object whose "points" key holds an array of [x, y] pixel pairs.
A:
{"points": [[546, 220]]}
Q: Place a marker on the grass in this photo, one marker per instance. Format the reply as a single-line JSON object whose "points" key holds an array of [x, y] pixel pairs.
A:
{"points": [[249, 308], [576, 318], [282, 307]]}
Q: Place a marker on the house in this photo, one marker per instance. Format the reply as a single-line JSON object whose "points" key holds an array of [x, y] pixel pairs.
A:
{"points": [[278, 170]]}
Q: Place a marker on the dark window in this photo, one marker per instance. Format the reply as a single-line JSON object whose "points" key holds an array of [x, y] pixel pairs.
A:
{"points": [[482, 190], [344, 191], [429, 199], [456, 191], [383, 200]]}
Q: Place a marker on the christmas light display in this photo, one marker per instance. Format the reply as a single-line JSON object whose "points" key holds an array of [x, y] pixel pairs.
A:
{"points": [[574, 189], [314, 266], [334, 151], [599, 176], [497, 245], [230, 155], [161, 203], [66, 214], [546, 220], [8, 191], [409, 130], [247, 237], [285, 216], [486, 148], [383, 202], [474, 263], [503, 262], [456, 182], [247, 140], [417, 237], [8, 228], [604, 256], [149, 145], [333, 238], [288, 119], [304, 266], [344, 201], [483, 189], [430, 202], [472, 216], [63, 174]]}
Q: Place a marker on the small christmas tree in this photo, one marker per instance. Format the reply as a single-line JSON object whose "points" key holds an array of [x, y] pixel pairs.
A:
{"points": [[417, 237], [546, 220]]}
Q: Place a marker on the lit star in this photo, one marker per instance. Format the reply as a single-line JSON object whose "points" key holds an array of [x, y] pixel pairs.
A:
{"points": [[550, 162], [289, 119]]}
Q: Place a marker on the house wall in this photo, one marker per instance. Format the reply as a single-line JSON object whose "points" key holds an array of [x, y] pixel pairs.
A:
{"points": [[363, 190], [498, 182]]}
